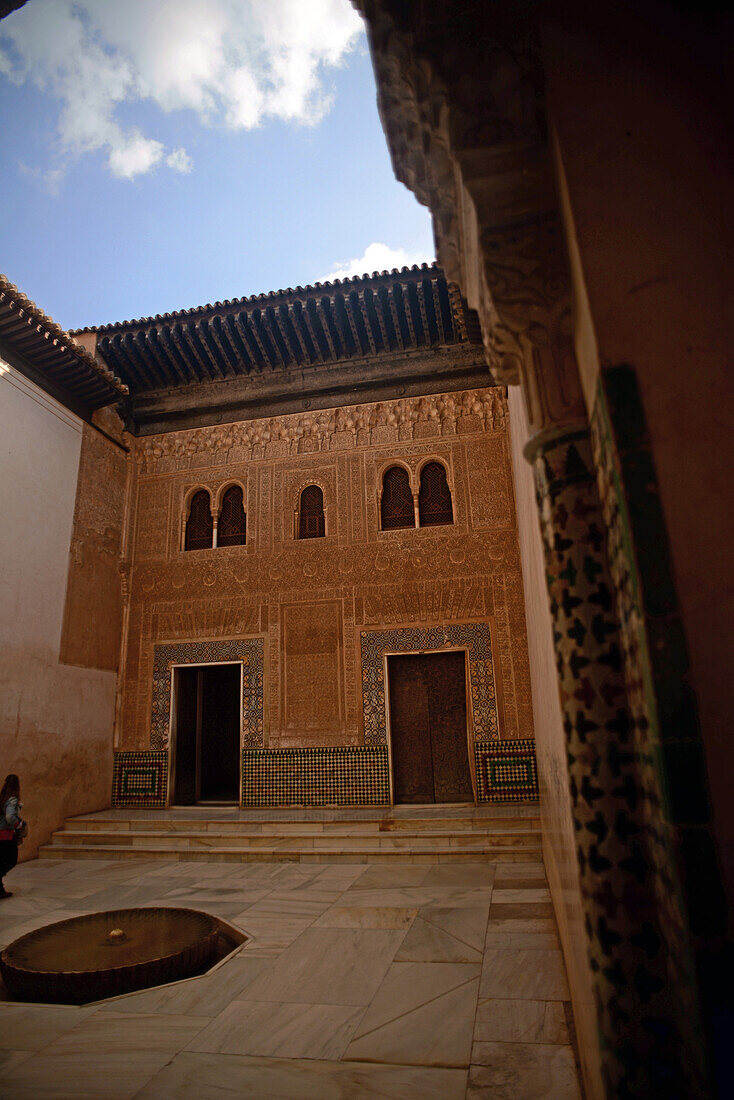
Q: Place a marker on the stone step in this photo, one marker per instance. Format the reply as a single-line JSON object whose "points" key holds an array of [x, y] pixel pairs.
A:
{"points": [[343, 841], [302, 828], [316, 834], [245, 830], [293, 854]]}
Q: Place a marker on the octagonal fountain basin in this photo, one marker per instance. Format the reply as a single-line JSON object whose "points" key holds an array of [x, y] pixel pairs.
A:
{"points": [[105, 954]]}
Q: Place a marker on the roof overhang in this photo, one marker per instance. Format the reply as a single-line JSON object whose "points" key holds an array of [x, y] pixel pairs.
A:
{"points": [[37, 347], [354, 340]]}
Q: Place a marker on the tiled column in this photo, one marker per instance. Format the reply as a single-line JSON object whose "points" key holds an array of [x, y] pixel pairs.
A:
{"points": [[635, 923]]}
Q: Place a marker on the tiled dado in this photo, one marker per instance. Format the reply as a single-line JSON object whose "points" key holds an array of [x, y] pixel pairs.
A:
{"points": [[247, 650], [506, 771], [474, 637], [349, 776], [140, 779]]}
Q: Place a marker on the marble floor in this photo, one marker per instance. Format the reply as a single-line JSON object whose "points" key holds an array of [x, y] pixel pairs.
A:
{"points": [[359, 980]]}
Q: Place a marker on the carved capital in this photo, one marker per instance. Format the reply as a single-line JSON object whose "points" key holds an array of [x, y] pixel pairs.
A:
{"points": [[461, 96]]}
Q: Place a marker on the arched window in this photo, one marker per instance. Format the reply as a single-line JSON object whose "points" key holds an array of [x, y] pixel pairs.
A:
{"points": [[199, 525], [434, 498], [396, 506], [232, 526], [311, 523]]}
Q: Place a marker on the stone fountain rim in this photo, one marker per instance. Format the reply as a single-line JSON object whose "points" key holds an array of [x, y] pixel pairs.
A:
{"points": [[6, 954]]}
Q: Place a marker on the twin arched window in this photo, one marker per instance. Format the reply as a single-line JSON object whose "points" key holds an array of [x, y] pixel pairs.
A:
{"points": [[311, 520], [397, 507], [231, 526]]}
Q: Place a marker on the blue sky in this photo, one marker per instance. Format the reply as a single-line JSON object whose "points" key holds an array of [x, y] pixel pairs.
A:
{"points": [[148, 165]]}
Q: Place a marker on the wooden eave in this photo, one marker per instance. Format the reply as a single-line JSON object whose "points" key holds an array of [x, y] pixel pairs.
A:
{"points": [[403, 311], [34, 344]]}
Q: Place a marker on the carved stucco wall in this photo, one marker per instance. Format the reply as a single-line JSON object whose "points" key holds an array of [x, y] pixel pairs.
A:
{"points": [[309, 600]]}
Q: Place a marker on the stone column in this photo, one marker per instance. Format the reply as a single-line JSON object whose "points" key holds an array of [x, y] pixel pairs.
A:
{"points": [[460, 91]]}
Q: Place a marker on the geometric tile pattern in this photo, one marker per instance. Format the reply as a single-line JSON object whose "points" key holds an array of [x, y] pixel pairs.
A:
{"points": [[506, 771], [140, 779], [622, 839], [474, 637], [345, 776], [247, 650]]}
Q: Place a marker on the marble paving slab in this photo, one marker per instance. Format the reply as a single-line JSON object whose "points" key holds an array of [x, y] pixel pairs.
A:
{"points": [[446, 935], [512, 1021], [193, 1076], [105, 1057], [509, 1071], [351, 916], [436, 1033], [523, 975], [330, 966], [280, 1030]]}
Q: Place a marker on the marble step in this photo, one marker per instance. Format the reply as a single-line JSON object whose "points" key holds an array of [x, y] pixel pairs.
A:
{"points": [[344, 841], [243, 830], [296, 854], [377, 826]]}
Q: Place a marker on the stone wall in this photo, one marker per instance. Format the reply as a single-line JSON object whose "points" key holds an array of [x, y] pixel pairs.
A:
{"points": [[313, 602]]}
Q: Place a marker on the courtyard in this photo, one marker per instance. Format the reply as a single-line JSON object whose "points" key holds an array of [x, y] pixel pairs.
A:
{"points": [[367, 979]]}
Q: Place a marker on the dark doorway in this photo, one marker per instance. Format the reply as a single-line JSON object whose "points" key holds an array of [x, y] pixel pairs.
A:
{"points": [[428, 728], [207, 734]]}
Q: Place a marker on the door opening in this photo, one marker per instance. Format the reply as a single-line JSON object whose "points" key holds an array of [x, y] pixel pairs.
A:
{"points": [[428, 730], [207, 734]]}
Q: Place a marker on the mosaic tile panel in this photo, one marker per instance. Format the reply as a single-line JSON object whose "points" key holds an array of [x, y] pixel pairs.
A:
{"points": [[349, 776], [247, 650], [506, 771], [475, 637], [140, 779]]}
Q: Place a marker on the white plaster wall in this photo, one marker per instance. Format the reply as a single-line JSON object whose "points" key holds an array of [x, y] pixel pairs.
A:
{"points": [[55, 720]]}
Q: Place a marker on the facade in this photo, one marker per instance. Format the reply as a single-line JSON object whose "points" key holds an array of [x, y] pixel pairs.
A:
{"points": [[312, 604]]}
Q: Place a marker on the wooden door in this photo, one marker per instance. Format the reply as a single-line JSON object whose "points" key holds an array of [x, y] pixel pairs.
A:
{"points": [[185, 790], [428, 728], [220, 734]]}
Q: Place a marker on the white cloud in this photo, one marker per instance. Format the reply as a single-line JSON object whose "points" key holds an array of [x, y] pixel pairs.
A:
{"points": [[180, 161], [235, 63], [376, 257], [133, 155]]}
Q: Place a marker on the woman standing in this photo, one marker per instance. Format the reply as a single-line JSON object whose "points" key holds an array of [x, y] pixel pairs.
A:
{"points": [[9, 822]]}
